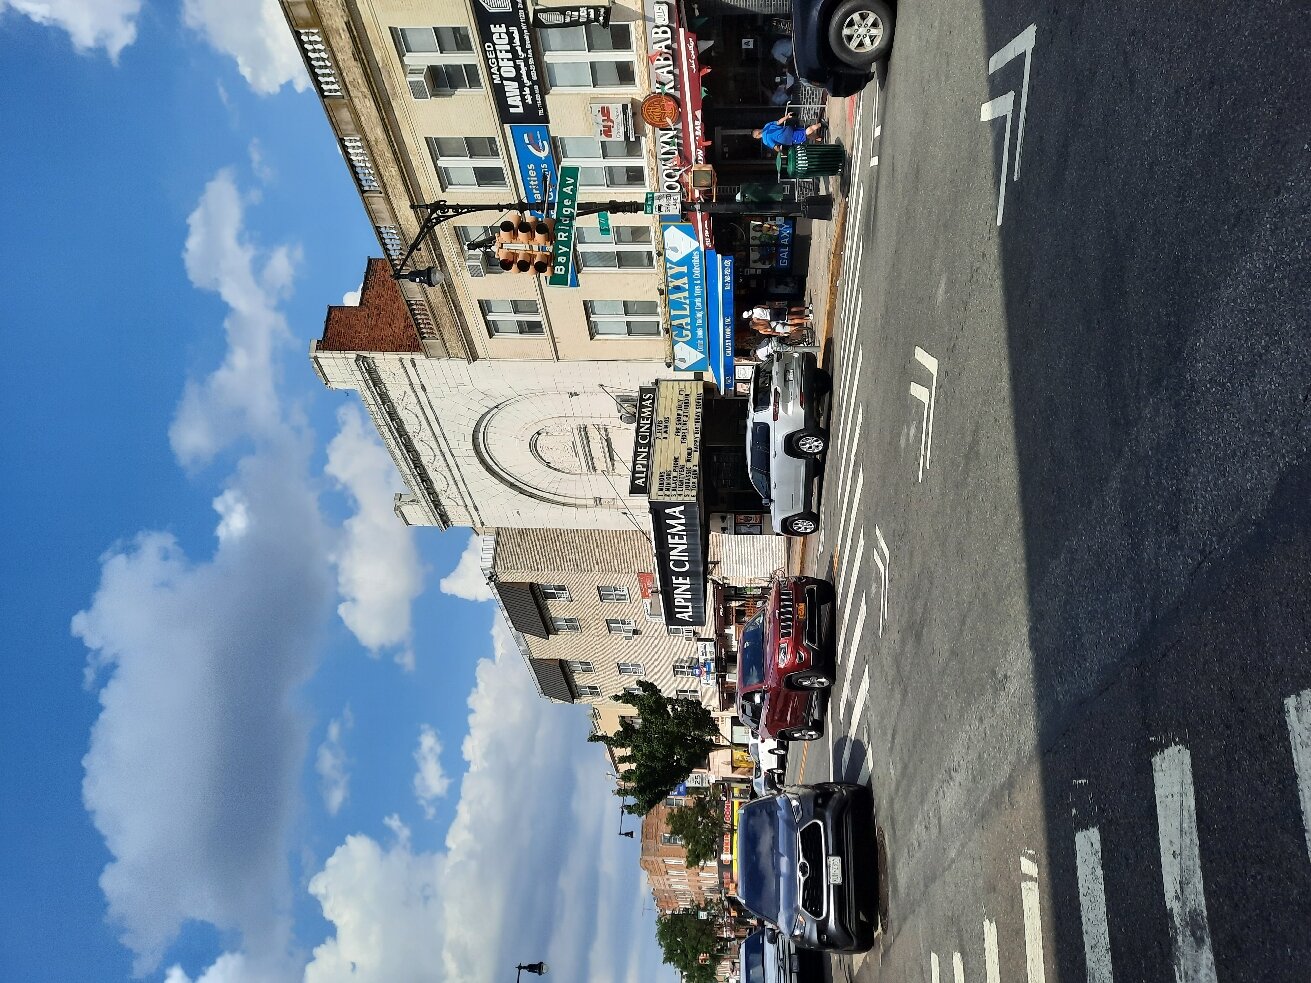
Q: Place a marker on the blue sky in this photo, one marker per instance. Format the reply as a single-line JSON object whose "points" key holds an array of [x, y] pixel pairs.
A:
{"points": [[253, 730]]}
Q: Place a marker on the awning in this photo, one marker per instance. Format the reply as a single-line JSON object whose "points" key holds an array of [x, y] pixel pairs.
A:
{"points": [[523, 608]]}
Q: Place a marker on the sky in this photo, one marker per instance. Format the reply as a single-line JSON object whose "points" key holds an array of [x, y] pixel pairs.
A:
{"points": [[252, 728]]}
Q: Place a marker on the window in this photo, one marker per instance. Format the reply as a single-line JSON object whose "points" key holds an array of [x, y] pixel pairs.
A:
{"points": [[623, 318], [688, 694], [589, 56], [685, 667], [673, 803], [438, 60], [589, 690], [758, 463], [628, 247], [566, 624], [633, 690], [681, 632], [669, 839], [612, 594], [580, 665], [621, 626], [510, 317], [555, 592], [604, 163], [630, 668], [455, 159]]}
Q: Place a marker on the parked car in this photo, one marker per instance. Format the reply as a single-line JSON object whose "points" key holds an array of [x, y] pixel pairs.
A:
{"points": [[785, 662], [770, 757], [786, 439], [836, 43], [807, 865], [768, 956]]}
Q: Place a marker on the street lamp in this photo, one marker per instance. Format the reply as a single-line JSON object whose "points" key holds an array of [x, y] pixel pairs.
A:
{"points": [[535, 968], [622, 814]]}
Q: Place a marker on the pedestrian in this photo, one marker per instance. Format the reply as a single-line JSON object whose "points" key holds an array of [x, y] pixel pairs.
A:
{"points": [[777, 320], [778, 135]]}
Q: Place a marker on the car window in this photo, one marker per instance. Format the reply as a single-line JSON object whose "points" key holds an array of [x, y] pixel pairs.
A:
{"points": [[752, 958], [766, 848], [758, 467], [761, 388], [751, 657]]}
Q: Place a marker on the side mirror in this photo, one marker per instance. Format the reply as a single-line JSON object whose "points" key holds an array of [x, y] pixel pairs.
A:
{"points": [[771, 936]]}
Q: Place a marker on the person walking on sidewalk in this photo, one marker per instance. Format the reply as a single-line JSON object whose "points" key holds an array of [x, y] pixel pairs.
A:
{"points": [[778, 135], [776, 320]]}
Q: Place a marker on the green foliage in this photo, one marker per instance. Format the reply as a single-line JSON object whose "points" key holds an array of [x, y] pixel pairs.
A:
{"points": [[700, 825], [664, 743], [683, 937]]}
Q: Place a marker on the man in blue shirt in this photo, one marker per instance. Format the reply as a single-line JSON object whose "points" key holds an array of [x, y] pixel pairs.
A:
{"points": [[778, 135]]}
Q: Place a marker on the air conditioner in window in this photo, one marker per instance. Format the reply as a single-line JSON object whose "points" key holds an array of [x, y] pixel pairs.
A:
{"points": [[476, 265], [417, 76]]}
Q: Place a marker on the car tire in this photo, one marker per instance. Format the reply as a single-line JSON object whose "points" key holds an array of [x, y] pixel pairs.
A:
{"points": [[860, 32], [809, 681], [801, 734], [801, 524], [808, 443]]}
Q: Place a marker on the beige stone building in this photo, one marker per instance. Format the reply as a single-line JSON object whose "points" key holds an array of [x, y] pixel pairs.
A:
{"points": [[424, 108]]}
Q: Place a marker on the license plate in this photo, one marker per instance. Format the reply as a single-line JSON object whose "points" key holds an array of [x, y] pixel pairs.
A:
{"points": [[834, 870], [801, 610]]}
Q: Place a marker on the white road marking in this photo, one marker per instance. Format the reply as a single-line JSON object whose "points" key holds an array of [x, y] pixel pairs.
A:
{"points": [[957, 967], [1092, 906], [850, 372], [865, 768], [1181, 866], [991, 965], [848, 521], [929, 397], [851, 651], [1297, 709], [844, 422], [933, 966], [853, 577], [874, 161], [1022, 44], [862, 695], [1032, 920], [1003, 105], [878, 130], [884, 563]]}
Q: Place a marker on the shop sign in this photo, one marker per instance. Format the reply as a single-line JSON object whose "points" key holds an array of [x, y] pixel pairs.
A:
{"points": [[646, 584], [548, 17], [719, 303], [770, 243], [640, 479], [675, 72], [511, 56], [680, 562], [676, 442], [612, 120], [685, 293], [699, 779], [566, 210]]}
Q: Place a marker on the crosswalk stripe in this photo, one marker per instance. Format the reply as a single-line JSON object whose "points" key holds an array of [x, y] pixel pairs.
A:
{"points": [[1092, 905], [1029, 901], [853, 653], [1297, 710], [1181, 866], [991, 964], [852, 578], [847, 522]]}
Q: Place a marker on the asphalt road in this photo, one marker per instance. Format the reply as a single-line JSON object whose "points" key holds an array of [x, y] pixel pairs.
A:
{"points": [[1069, 502]]}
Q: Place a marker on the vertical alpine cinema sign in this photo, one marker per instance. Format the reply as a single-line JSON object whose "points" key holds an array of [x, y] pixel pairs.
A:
{"points": [[640, 483], [508, 47]]}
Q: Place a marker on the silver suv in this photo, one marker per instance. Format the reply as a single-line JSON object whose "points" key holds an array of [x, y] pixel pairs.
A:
{"points": [[786, 439]]}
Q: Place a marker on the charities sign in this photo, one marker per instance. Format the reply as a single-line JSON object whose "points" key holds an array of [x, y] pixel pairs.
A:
{"points": [[508, 47]]}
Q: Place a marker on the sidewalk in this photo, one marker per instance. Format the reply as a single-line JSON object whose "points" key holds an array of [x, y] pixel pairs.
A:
{"points": [[826, 239]]}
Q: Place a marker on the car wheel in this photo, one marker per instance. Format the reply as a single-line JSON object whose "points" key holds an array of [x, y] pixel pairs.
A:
{"points": [[808, 443], [860, 32], [801, 524], [801, 734]]}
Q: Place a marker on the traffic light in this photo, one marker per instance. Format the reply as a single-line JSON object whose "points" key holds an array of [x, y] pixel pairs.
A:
{"points": [[524, 243]]}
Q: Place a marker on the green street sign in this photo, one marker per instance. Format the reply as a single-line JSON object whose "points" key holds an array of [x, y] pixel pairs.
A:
{"points": [[566, 210], [603, 222], [649, 207]]}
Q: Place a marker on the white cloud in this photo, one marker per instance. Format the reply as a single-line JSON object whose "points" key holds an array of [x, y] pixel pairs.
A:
{"points": [[253, 32], [239, 399], [467, 580], [332, 765], [430, 781], [108, 24], [378, 570], [351, 298], [538, 871], [195, 759]]}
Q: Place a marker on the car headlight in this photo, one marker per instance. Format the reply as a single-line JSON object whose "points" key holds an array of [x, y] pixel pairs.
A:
{"points": [[796, 807], [799, 927]]}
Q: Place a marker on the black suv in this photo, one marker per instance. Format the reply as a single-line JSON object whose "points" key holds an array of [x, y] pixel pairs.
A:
{"points": [[808, 866], [769, 957]]}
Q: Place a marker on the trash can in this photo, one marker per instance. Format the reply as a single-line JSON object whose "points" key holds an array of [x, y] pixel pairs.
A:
{"points": [[815, 160]]}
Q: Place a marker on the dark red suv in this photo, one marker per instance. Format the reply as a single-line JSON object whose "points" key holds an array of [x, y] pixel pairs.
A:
{"points": [[785, 663]]}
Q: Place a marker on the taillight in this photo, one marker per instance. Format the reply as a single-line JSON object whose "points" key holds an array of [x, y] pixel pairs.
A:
{"points": [[776, 399]]}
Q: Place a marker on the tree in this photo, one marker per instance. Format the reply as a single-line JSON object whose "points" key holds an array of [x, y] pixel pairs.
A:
{"points": [[684, 936], [700, 825], [664, 742]]}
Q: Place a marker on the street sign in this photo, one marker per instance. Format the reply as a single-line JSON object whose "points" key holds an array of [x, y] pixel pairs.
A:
{"points": [[603, 222], [566, 210], [663, 203]]}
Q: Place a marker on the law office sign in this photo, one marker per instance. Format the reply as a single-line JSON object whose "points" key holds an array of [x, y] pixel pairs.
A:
{"points": [[511, 55]]}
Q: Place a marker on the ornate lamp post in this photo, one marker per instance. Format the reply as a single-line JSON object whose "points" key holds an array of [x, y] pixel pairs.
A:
{"points": [[536, 968]]}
